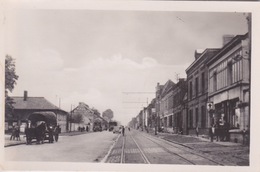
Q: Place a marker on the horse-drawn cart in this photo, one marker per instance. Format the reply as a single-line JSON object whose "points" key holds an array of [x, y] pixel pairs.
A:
{"points": [[42, 126]]}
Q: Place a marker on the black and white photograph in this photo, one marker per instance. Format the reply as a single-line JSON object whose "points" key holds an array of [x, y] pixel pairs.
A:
{"points": [[129, 85]]}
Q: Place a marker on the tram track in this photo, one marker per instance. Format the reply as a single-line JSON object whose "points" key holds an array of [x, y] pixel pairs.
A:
{"points": [[142, 153], [122, 159], [131, 148], [179, 147], [137, 147]]}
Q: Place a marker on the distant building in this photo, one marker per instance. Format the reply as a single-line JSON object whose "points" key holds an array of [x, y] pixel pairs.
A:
{"points": [[229, 86], [88, 117], [157, 105], [25, 106], [166, 104], [151, 114], [179, 91], [140, 120]]}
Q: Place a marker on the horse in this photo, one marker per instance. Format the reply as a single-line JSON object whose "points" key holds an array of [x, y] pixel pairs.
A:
{"points": [[37, 133]]}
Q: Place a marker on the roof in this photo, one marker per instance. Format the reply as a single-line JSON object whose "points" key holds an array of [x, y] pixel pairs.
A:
{"points": [[167, 87], [236, 40], [209, 52], [48, 117], [33, 103]]}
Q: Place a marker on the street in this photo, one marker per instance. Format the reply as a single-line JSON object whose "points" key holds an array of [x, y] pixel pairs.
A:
{"points": [[134, 147], [90, 147], [140, 147]]}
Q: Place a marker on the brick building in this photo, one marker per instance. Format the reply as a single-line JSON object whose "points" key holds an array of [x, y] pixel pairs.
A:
{"points": [[229, 86], [197, 97]]}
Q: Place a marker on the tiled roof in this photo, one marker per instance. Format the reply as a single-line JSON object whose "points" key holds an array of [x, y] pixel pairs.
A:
{"points": [[33, 103], [167, 87]]}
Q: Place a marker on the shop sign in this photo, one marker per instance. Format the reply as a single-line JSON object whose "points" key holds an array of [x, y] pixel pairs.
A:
{"points": [[210, 106]]}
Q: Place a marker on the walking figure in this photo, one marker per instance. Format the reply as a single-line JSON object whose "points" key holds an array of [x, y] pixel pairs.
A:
{"points": [[212, 133], [17, 133], [13, 133], [123, 130]]}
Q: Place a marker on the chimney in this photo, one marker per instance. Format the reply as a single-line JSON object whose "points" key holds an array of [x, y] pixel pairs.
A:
{"points": [[227, 39], [181, 79], [25, 95]]}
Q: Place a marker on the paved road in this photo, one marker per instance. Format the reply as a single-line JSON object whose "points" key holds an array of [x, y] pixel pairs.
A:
{"points": [[91, 147], [134, 147], [138, 147]]}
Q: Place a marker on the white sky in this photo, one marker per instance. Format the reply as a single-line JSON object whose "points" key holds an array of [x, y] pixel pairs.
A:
{"points": [[93, 56]]}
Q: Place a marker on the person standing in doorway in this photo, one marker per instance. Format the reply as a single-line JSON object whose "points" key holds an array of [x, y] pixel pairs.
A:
{"points": [[197, 130]]}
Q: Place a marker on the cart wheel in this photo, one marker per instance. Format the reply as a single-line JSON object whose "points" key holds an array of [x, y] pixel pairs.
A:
{"points": [[56, 137]]}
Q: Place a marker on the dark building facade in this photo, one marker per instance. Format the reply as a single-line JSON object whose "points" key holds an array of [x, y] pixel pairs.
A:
{"points": [[197, 95], [179, 91]]}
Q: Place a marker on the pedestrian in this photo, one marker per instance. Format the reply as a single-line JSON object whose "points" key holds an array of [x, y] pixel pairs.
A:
{"points": [[87, 128], [211, 133], [123, 130], [13, 133], [197, 130], [17, 133]]}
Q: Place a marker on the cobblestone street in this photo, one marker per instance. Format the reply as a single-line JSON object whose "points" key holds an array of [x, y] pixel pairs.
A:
{"points": [[225, 152]]}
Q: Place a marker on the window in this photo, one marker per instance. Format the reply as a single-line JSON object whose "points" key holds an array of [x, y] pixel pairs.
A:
{"points": [[191, 119], [203, 117], [196, 86], [190, 89], [170, 121], [197, 116], [203, 83], [215, 81], [230, 76]]}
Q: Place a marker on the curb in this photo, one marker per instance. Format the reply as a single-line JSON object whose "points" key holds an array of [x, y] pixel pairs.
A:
{"points": [[104, 160], [15, 144], [75, 134]]}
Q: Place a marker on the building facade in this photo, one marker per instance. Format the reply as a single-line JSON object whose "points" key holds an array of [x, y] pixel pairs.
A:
{"points": [[197, 97], [179, 91], [25, 106], [88, 117], [151, 114], [229, 86], [166, 105]]}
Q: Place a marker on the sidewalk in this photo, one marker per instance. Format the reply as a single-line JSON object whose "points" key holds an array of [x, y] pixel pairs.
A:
{"points": [[190, 139], [9, 142]]}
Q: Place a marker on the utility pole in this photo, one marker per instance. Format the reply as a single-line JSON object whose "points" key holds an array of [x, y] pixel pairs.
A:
{"points": [[70, 119]]}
